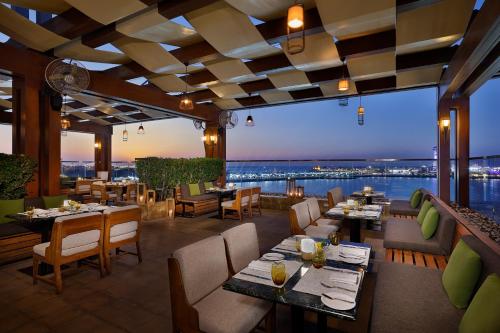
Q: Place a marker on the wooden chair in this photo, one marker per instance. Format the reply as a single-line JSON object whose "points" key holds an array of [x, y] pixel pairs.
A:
{"points": [[83, 186], [131, 194], [315, 214], [122, 226], [300, 223], [73, 238], [100, 193], [242, 246], [199, 303], [255, 202], [239, 205], [103, 175]]}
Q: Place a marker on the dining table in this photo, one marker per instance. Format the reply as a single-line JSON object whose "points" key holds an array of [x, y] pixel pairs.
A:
{"points": [[118, 187], [368, 196], [304, 290], [355, 216]]}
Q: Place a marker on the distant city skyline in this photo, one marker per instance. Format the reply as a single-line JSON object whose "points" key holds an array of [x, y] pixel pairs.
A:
{"points": [[397, 125]]}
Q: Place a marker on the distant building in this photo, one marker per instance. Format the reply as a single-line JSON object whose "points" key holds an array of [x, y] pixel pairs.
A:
{"points": [[435, 156]]}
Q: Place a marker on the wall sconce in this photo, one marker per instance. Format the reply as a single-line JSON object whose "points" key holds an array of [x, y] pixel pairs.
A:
{"points": [[445, 124], [213, 139], [98, 145]]}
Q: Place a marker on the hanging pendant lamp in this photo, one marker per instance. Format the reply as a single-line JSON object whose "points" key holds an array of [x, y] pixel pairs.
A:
{"points": [[140, 130], [361, 113], [295, 38], [186, 103], [250, 122], [343, 82], [125, 134], [65, 123]]}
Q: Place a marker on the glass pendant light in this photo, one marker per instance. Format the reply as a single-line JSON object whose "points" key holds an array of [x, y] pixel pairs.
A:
{"points": [[361, 113], [186, 103], [140, 130], [343, 82], [125, 134], [249, 122], [65, 123], [295, 38]]}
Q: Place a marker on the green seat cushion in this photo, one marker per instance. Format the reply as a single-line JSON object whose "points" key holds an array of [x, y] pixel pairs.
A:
{"points": [[482, 315], [208, 185], [423, 211], [54, 201], [461, 274], [194, 189], [416, 198], [10, 207], [430, 223]]}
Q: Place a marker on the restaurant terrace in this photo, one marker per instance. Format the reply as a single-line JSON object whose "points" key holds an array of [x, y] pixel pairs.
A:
{"points": [[179, 248]]}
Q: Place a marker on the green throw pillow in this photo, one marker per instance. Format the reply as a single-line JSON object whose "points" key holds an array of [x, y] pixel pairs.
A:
{"points": [[430, 223], [423, 211], [194, 189], [208, 185], [54, 201], [10, 207], [482, 314], [461, 274], [415, 199]]}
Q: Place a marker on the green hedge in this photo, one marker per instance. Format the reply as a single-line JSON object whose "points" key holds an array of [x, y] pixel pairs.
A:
{"points": [[15, 172], [163, 174]]}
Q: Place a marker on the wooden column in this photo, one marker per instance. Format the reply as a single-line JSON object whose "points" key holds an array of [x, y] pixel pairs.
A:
{"points": [[443, 151], [463, 125], [215, 145], [50, 148], [102, 149], [26, 124]]}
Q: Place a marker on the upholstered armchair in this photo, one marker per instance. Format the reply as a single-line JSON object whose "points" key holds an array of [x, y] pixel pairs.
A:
{"points": [[255, 203], [239, 205], [335, 196], [300, 223]]}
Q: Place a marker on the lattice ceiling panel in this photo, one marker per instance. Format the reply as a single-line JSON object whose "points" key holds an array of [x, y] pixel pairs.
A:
{"points": [[235, 63]]}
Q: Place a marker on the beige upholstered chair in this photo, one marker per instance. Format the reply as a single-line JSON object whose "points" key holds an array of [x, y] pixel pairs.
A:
{"points": [[242, 246], [103, 175], [100, 193], [131, 194], [300, 223], [199, 304], [239, 205], [122, 226], [315, 214], [335, 196], [73, 238], [83, 186], [255, 202]]}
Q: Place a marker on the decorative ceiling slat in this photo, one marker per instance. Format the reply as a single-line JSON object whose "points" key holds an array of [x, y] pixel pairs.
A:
{"points": [[354, 18], [258, 85], [266, 9], [251, 100], [379, 84], [445, 23], [230, 70], [48, 6], [372, 66], [169, 83], [227, 104], [276, 96], [314, 92], [106, 12], [240, 38], [419, 77], [76, 50], [323, 55], [150, 55], [26, 32], [293, 79], [228, 90]]}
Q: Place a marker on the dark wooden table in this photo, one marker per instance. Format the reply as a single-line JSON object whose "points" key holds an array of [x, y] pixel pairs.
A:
{"points": [[356, 319], [355, 223]]}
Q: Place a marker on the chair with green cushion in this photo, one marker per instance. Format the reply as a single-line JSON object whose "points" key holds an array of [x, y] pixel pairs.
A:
{"points": [[461, 274], [208, 185], [10, 207], [482, 314], [54, 201], [404, 207]]}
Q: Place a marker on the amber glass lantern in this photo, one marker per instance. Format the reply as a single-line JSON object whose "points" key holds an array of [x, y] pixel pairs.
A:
{"points": [[295, 38], [361, 113], [290, 187]]}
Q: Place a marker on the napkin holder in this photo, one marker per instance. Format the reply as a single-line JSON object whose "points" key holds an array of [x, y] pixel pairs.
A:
{"points": [[307, 248]]}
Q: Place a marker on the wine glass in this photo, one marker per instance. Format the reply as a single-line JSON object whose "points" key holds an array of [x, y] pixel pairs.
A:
{"points": [[278, 273], [30, 211], [334, 238]]}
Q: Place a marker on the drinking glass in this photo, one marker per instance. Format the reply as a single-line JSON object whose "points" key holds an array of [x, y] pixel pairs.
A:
{"points": [[278, 273], [30, 212], [334, 238], [297, 243], [346, 210], [319, 259]]}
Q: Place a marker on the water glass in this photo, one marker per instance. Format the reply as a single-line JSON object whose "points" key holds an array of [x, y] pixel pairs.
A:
{"points": [[334, 238], [278, 273], [319, 259]]}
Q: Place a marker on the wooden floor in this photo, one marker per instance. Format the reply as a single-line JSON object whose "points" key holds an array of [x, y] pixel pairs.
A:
{"points": [[416, 258], [135, 298]]}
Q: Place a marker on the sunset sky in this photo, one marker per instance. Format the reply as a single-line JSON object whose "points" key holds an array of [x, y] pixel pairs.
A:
{"points": [[397, 125]]}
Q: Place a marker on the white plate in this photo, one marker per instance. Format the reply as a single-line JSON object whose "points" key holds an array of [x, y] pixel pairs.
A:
{"points": [[273, 256], [338, 304]]}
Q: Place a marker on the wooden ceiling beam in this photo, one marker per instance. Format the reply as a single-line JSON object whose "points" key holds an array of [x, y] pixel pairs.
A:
{"points": [[314, 92], [267, 65], [425, 58], [379, 84], [479, 41], [364, 45], [128, 71], [199, 77], [328, 74], [202, 95], [251, 101], [485, 71], [103, 35], [173, 8], [71, 24], [259, 85], [407, 5]]}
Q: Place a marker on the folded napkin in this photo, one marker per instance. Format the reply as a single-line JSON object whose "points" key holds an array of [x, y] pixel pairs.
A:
{"points": [[371, 213], [350, 251], [39, 211], [288, 242], [260, 266], [336, 211], [372, 207], [348, 277]]}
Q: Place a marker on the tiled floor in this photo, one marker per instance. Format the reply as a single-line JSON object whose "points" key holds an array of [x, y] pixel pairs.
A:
{"points": [[134, 298]]}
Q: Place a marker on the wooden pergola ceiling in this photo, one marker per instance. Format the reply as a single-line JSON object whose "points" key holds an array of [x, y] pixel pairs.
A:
{"points": [[387, 45]]}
